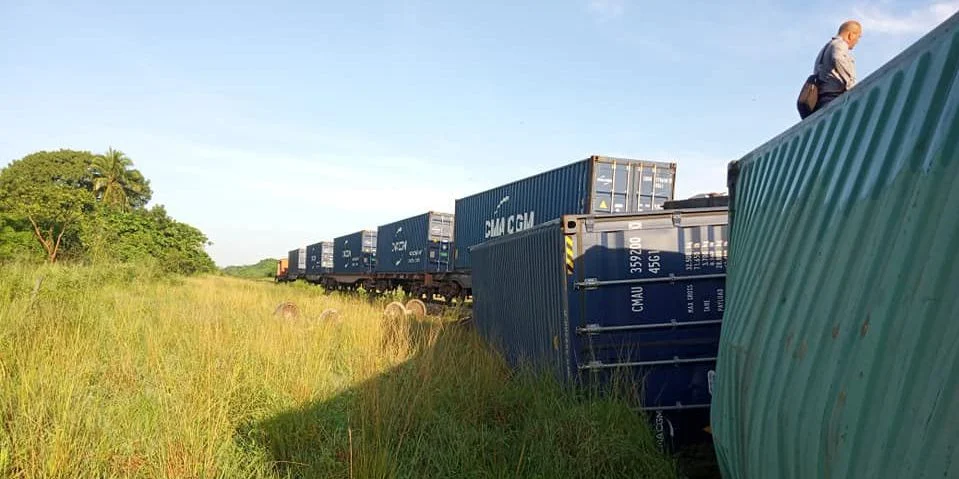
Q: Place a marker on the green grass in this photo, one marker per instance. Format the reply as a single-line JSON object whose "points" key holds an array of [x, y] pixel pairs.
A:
{"points": [[118, 372]]}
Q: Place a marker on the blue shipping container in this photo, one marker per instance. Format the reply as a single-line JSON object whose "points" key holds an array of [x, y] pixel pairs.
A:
{"points": [[589, 296], [594, 185], [319, 258], [421, 244], [355, 253], [297, 263]]}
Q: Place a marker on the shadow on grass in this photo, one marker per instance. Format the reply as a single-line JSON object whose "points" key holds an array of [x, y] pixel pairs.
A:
{"points": [[454, 409]]}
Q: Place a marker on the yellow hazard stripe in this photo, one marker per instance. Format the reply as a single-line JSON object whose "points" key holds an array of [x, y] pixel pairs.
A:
{"points": [[569, 255]]}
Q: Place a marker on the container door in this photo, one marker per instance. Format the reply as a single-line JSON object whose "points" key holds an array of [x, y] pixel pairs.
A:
{"points": [[326, 257], [611, 192], [440, 242], [631, 186], [651, 186], [646, 305]]}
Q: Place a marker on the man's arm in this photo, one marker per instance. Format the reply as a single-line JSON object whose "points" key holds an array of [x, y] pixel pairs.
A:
{"points": [[844, 66]]}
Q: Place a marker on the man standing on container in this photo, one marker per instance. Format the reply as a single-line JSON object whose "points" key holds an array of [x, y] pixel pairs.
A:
{"points": [[835, 68]]}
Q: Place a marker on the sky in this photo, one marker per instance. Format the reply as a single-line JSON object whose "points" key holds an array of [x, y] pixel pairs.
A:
{"points": [[271, 126]]}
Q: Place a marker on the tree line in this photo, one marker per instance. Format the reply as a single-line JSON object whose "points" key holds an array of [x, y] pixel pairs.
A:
{"points": [[85, 207], [265, 268]]}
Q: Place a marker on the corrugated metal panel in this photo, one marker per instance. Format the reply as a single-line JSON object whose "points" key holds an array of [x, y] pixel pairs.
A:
{"points": [[297, 263], [419, 244], [291, 263], [519, 297], [588, 297], [319, 258], [594, 185], [355, 253], [840, 344]]}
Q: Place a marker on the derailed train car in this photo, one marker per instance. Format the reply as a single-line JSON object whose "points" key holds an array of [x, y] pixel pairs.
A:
{"points": [[594, 297]]}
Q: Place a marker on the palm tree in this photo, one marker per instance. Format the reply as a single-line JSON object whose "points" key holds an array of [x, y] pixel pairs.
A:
{"points": [[116, 183]]}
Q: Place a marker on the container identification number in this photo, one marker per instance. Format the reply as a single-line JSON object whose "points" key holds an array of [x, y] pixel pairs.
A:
{"points": [[636, 261], [635, 255]]}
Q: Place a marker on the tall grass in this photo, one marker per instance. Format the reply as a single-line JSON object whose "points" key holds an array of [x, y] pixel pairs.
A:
{"points": [[120, 372]]}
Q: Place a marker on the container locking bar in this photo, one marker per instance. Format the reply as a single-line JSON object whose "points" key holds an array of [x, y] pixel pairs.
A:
{"points": [[593, 283], [676, 361], [598, 329]]}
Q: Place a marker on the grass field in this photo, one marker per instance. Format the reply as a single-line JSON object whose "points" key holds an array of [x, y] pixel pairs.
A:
{"points": [[116, 372]]}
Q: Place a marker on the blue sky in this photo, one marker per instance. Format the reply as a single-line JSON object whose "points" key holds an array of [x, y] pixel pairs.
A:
{"points": [[271, 126]]}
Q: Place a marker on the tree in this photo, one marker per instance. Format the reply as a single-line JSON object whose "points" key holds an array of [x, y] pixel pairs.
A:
{"points": [[91, 207], [146, 236], [17, 241], [50, 191], [116, 183]]}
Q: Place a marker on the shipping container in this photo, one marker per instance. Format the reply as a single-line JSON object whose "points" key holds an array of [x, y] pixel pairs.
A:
{"points": [[297, 263], [711, 200], [595, 185], [586, 297], [355, 253], [421, 244], [319, 258], [840, 342], [282, 265]]}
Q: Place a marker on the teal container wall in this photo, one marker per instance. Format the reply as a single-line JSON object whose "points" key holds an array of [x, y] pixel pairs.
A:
{"points": [[839, 354]]}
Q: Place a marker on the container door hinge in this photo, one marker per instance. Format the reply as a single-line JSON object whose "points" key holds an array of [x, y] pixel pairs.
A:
{"points": [[677, 219]]}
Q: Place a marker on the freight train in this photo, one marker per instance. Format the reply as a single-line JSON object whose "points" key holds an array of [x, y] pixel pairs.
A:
{"points": [[428, 255], [838, 333], [584, 271]]}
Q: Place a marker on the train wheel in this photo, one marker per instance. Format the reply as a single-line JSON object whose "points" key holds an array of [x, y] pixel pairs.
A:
{"points": [[395, 310], [416, 308], [288, 310], [329, 315]]}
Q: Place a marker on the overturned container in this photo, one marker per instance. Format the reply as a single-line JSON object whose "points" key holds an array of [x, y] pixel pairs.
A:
{"points": [[421, 244], [597, 184], [355, 253], [589, 297], [840, 343]]}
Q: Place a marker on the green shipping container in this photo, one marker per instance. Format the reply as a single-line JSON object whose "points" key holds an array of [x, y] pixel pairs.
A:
{"points": [[839, 354]]}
